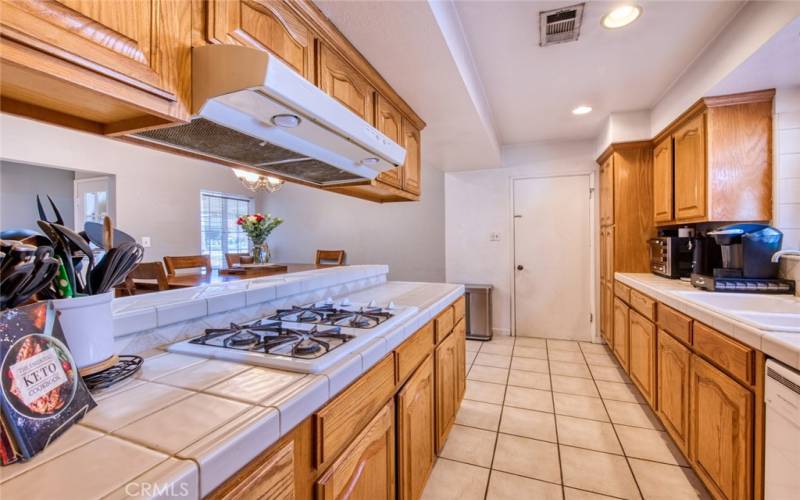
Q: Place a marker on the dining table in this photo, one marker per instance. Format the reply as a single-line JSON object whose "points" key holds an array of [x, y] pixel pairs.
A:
{"points": [[196, 279]]}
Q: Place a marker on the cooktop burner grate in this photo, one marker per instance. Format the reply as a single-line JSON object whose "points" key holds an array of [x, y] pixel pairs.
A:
{"points": [[361, 317], [275, 337]]}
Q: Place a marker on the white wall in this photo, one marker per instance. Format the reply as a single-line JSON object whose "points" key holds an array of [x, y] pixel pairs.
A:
{"points": [[786, 162], [751, 28], [158, 194], [19, 185], [478, 203], [624, 127], [408, 236]]}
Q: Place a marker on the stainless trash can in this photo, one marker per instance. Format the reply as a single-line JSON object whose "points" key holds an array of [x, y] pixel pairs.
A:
{"points": [[479, 312]]}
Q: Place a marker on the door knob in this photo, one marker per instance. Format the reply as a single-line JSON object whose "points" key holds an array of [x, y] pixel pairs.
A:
{"points": [[520, 267]]}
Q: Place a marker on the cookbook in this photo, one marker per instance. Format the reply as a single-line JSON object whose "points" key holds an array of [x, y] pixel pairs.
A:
{"points": [[42, 393]]}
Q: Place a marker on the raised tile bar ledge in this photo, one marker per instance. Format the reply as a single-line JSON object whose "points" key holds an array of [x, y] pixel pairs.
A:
{"points": [[185, 424], [781, 345]]}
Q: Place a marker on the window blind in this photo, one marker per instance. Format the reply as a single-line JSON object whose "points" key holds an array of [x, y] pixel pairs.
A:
{"points": [[219, 232]]}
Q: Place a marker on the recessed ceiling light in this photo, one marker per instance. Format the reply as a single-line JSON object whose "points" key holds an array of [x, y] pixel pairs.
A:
{"points": [[582, 110], [622, 16]]}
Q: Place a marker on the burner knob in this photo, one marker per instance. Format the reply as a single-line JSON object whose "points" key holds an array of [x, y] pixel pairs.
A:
{"points": [[372, 303], [345, 302], [391, 306]]}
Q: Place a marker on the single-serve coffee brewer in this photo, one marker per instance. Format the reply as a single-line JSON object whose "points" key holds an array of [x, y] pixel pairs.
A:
{"points": [[746, 258]]}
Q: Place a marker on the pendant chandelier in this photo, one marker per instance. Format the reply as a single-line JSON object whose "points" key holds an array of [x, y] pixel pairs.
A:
{"points": [[256, 182]]}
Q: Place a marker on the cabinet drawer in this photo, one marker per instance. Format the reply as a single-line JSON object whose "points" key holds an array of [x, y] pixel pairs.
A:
{"points": [[735, 358], [273, 478], [644, 304], [675, 323], [622, 291], [459, 308], [411, 353], [348, 413], [444, 324]]}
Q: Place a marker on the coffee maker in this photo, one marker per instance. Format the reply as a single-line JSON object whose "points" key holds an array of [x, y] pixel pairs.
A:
{"points": [[745, 262]]}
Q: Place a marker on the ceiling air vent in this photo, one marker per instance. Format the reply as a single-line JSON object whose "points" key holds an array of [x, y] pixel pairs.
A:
{"points": [[560, 25]]}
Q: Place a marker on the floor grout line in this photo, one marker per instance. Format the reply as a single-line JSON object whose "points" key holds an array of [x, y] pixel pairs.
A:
{"points": [[555, 424]]}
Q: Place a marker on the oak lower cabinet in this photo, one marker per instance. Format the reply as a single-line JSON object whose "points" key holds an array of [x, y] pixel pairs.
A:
{"points": [[273, 479], [642, 355], [416, 435], [447, 371], [460, 333], [621, 332], [673, 388], [722, 422], [366, 468]]}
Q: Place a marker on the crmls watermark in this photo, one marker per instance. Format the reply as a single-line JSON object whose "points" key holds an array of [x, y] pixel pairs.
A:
{"points": [[155, 490]]}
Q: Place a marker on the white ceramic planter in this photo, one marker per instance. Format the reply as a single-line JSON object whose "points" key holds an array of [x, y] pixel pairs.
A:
{"points": [[88, 327]]}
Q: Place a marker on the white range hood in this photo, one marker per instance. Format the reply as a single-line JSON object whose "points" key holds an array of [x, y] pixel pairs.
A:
{"points": [[254, 110]]}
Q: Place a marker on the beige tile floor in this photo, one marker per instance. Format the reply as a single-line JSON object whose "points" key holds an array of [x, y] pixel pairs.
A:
{"points": [[553, 419]]}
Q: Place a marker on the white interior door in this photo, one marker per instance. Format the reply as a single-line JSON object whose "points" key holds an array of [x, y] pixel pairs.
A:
{"points": [[94, 199], [552, 257]]}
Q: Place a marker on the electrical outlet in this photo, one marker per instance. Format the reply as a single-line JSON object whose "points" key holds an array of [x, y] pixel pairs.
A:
{"points": [[494, 236], [146, 241]]}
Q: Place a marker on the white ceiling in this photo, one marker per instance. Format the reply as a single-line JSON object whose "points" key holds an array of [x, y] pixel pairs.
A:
{"points": [[475, 73], [532, 90]]}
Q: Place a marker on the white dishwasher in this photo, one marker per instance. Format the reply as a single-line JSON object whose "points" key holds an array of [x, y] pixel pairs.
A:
{"points": [[782, 429]]}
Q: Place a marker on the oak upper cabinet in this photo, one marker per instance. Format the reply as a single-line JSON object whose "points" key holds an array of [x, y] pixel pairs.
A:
{"points": [[416, 438], [265, 25], [662, 181], [642, 355], [721, 441], [366, 469], [673, 388], [412, 169], [607, 192], [690, 170], [340, 80], [446, 369], [720, 164], [96, 65], [621, 331], [389, 121]]}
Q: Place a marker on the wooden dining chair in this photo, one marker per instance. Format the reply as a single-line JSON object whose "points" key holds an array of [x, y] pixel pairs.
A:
{"points": [[330, 257], [234, 259], [152, 272], [187, 262]]}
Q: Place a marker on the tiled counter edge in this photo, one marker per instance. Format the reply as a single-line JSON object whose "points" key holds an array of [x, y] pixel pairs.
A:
{"points": [[784, 347], [209, 461]]}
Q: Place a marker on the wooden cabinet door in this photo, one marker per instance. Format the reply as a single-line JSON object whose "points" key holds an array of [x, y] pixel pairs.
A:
{"points": [[673, 388], [662, 181], [642, 355], [412, 169], [607, 192], [721, 422], [389, 121], [608, 261], [416, 439], [690, 170], [341, 81], [446, 366], [460, 334], [365, 469], [141, 43], [621, 332], [607, 313], [274, 479], [265, 25]]}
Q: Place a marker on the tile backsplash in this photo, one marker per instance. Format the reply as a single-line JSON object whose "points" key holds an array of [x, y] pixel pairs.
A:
{"points": [[787, 164]]}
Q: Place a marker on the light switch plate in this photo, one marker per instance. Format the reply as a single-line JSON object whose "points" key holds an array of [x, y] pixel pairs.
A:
{"points": [[494, 236], [146, 241]]}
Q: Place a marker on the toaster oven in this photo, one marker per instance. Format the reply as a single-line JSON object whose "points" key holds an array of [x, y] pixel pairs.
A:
{"points": [[671, 256]]}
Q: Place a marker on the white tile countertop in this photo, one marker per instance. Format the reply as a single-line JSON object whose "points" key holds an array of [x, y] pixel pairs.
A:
{"points": [[784, 346], [185, 424]]}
